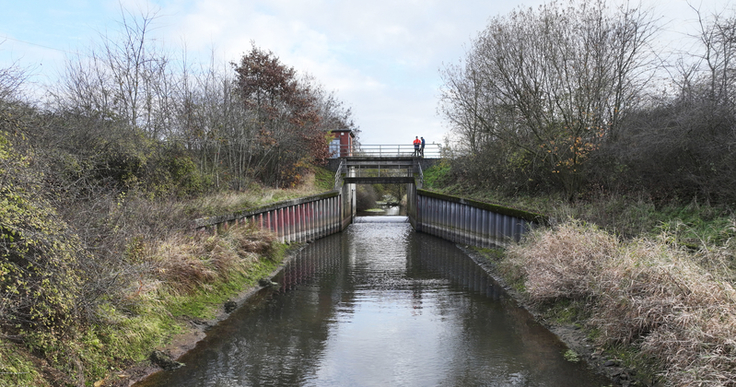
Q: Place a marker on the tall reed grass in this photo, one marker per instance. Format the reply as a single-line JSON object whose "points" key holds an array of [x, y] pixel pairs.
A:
{"points": [[186, 263]]}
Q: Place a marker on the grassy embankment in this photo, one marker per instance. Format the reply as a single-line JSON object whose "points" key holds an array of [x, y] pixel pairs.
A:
{"points": [[651, 284], [183, 277]]}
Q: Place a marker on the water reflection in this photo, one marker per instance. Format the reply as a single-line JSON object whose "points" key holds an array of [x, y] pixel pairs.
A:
{"points": [[379, 305], [383, 211]]}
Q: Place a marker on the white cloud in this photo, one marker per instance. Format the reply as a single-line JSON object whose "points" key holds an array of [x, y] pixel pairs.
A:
{"points": [[382, 57]]}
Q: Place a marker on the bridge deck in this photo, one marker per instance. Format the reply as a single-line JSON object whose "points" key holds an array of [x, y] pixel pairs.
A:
{"points": [[380, 162]]}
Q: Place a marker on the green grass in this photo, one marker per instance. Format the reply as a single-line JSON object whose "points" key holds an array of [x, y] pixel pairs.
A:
{"points": [[204, 303], [99, 349], [324, 179], [571, 356], [124, 334], [697, 224], [493, 255], [436, 175], [647, 368], [567, 312], [17, 367]]}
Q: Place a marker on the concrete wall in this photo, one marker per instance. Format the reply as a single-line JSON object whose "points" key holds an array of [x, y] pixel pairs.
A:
{"points": [[297, 220], [334, 164]]}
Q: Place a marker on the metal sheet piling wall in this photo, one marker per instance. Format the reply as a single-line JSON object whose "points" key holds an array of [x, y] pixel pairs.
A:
{"points": [[466, 221], [452, 218], [297, 220]]}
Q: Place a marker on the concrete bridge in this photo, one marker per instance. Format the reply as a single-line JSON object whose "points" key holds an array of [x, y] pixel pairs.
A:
{"points": [[384, 163], [453, 218], [380, 170]]}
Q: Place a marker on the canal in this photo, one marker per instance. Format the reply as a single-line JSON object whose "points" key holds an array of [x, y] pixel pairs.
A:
{"points": [[379, 305]]}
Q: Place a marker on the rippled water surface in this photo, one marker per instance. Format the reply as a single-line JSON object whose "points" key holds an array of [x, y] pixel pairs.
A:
{"points": [[379, 305]]}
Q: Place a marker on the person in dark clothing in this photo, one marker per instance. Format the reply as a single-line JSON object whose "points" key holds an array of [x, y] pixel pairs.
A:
{"points": [[421, 148]]}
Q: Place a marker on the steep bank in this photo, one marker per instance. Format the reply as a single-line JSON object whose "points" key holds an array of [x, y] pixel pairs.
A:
{"points": [[196, 330], [580, 346], [145, 277], [190, 285], [644, 311], [646, 284]]}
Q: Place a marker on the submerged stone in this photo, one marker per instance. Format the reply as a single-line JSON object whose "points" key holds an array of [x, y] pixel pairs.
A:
{"points": [[165, 361]]}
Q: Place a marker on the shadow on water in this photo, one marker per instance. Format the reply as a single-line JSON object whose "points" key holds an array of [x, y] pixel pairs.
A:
{"points": [[379, 305]]}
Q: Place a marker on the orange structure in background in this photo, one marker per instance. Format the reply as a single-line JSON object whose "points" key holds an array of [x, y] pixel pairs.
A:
{"points": [[342, 143]]}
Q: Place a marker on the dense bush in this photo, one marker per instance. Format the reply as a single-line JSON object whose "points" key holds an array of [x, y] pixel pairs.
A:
{"points": [[40, 279], [681, 149]]}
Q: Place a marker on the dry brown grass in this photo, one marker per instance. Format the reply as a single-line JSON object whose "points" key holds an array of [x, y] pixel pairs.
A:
{"points": [[646, 293], [220, 203], [558, 264], [186, 263]]}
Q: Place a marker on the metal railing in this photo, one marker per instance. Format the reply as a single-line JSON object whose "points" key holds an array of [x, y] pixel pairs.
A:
{"points": [[431, 151]]}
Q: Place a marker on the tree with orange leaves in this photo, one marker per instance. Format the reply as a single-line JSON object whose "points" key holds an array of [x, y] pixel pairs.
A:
{"points": [[291, 117]]}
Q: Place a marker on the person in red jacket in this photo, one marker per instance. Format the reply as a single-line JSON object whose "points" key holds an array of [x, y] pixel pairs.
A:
{"points": [[417, 142]]}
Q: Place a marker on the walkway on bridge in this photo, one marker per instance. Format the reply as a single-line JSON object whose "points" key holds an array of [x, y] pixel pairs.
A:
{"points": [[385, 163], [431, 151]]}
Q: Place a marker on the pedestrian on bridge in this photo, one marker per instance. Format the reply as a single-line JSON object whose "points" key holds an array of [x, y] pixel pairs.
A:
{"points": [[417, 142], [421, 149]]}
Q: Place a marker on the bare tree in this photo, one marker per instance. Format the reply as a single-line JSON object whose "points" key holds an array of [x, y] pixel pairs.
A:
{"points": [[683, 145], [11, 80], [550, 83], [718, 39], [261, 122], [125, 79]]}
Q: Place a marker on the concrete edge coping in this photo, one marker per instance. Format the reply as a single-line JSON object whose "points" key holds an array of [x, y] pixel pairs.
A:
{"points": [[521, 214]]}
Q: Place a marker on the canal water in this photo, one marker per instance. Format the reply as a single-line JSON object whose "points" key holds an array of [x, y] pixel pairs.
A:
{"points": [[379, 305]]}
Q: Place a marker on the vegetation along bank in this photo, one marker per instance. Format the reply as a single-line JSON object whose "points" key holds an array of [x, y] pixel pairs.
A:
{"points": [[570, 109], [99, 185], [578, 110]]}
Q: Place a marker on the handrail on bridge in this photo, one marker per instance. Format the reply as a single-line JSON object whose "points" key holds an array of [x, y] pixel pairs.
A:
{"points": [[431, 151]]}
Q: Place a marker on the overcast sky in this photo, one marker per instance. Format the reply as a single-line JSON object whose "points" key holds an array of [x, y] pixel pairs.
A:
{"points": [[382, 58]]}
